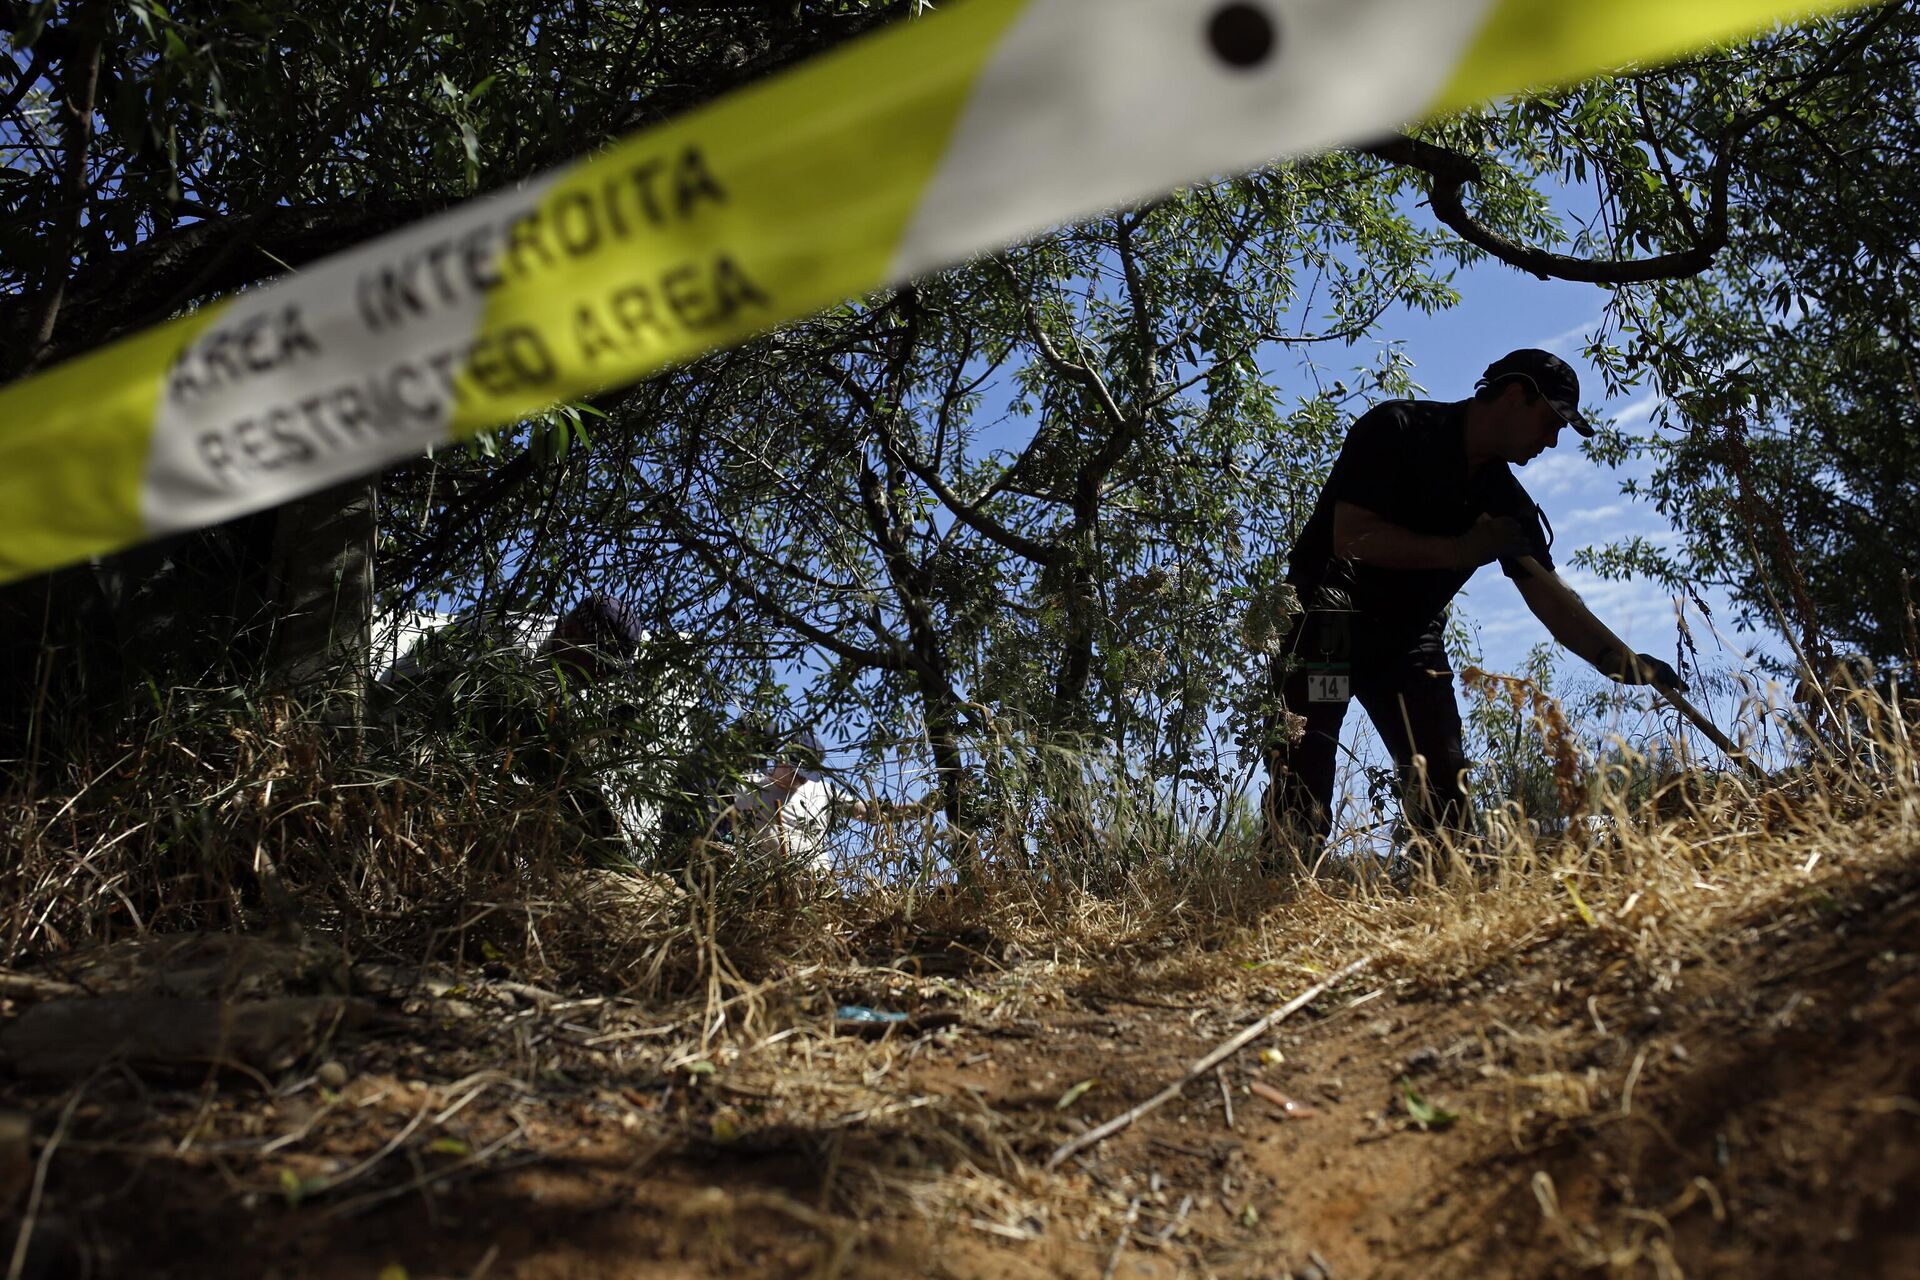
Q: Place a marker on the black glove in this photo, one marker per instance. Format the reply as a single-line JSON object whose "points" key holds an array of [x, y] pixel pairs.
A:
{"points": [[1639, 668], [1492, 538]]}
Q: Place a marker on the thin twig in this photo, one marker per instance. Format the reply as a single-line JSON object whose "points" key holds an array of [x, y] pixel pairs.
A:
{"points": [[1165, 1233], [353, 1174], [17, 1267], [632, 1033], [288, 1139], [361, 1203], [486, 1263], [1226, 1094], [1120, 1243], [1200, 1068]]}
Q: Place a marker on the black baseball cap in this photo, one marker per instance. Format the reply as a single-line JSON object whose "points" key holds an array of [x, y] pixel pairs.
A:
{"points": [[609, 626], [1551, 376]]}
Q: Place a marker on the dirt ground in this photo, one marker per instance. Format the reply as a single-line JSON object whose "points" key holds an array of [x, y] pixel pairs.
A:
{"points": [[1746, 1110]]}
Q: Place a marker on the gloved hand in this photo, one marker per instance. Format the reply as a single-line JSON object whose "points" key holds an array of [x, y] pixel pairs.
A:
{"points": [[1492, 538], [1639, 668]]}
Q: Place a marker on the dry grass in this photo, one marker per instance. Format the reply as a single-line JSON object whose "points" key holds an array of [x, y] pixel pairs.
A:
{"points": [[244, 824], [248, 821]]}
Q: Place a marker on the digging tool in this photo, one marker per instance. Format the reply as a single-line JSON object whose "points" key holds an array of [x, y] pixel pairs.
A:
{"points": [[1674, 697]]}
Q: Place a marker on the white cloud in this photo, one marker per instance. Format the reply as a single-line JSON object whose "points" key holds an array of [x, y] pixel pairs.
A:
{"points": [[1571, 339], [1638, 410], [1512, 622], [1639, 612], [1555, 473], [1594, 515], [1621, 603]]}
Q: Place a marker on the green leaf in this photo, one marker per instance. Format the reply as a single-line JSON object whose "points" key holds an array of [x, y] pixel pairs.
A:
{"points": [[1579, 903], [1074, 1094], [296, 1188], [470, 146], [1428, 1115]]}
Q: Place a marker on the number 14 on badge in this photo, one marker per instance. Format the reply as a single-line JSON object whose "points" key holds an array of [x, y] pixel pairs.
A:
{"points": [[1328, 686]]}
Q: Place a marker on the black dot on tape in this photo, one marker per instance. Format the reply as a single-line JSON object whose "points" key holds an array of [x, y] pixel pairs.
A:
{"points": [[1242, 35]]}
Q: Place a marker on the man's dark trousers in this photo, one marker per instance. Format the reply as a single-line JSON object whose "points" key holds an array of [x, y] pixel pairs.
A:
{"points": [[1409, 697]]}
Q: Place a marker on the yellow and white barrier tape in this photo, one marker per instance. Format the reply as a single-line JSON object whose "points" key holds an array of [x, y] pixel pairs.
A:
{"points": [[906, 151]]}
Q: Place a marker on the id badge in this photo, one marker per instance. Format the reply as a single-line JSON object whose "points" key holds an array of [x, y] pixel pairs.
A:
{"points": [[1330, 678], [1329, 686]]}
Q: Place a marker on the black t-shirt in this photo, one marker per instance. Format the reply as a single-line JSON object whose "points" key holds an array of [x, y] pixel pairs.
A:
{"points": [[1406, 461]]}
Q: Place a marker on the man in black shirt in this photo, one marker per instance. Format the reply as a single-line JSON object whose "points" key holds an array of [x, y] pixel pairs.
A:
{"points": [[1421, 496]]}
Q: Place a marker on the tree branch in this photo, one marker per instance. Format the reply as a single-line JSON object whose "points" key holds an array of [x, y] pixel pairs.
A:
{"points": [[967, 513], [81, 83], [1451, 171], [42, 55]]}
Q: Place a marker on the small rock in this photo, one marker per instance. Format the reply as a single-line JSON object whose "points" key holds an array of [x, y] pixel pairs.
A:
{"points": [[331, 1074], [1423, 1060]]}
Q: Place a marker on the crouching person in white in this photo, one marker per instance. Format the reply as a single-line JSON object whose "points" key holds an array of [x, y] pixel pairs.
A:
{"points": [[786, 811]]}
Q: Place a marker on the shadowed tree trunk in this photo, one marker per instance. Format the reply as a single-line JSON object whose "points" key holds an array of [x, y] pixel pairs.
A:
{"points": [[323, 589]]}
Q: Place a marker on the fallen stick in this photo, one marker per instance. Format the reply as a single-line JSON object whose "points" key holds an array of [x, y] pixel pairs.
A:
{"points": [[1292, 1109], [19, 986], [1120, 1244], [1220, 1054]]}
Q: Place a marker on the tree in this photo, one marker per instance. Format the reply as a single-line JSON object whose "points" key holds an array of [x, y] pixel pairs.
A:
{"points": [[1067, 554], [158, 156], [1751, 218], [1793, 463], [1048, 489]]}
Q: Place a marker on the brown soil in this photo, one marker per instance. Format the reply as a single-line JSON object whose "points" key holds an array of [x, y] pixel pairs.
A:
{"points": [[1745, 1110]]}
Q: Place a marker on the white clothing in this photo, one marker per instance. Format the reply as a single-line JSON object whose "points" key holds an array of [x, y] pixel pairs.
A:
{"points": [[402, 647], [796, 825]]}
